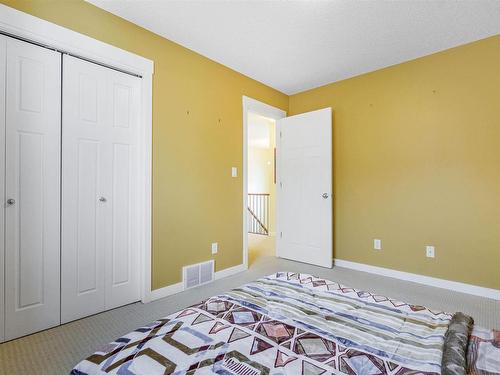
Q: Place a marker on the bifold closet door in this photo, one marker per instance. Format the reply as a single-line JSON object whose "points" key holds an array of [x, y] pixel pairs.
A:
{"points": [[100, 248], [3, 58], [32, 188]]}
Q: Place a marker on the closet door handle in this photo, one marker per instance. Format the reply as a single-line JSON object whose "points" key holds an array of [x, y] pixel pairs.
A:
{"points": [[102, 199], [11, 201]]}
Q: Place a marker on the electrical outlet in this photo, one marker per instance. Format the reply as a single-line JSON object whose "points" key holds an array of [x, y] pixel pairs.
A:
{"points": [[377, 244], [430, 251], [215, 248]]}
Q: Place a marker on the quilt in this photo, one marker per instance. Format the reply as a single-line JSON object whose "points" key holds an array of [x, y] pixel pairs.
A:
{"points": [[286, 323], [483, 354]]}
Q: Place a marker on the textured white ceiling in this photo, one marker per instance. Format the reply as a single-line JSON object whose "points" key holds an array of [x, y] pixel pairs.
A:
{"points": [[297, 45]]}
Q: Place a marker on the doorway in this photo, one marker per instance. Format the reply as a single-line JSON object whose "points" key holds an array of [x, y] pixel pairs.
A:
{"points": [[259, 179], [301, 213], [261, 185]]}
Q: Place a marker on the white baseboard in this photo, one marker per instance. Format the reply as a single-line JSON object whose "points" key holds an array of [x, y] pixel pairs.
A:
{"points": [[179, 287], [230, 271], [421, 279], [166, 291]]}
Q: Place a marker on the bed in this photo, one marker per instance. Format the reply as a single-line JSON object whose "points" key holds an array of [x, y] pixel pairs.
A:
{"points": [[292, 323]]}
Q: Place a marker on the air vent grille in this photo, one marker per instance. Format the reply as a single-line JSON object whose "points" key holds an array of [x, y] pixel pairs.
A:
{"points": [[198, 274]]}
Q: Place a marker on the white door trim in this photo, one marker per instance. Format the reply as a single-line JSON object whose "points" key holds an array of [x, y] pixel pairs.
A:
{"points": [[36, 30], [266, 110]]}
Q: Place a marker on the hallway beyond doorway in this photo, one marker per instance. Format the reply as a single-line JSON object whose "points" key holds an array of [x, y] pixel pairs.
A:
{"points": [[260, 246]]}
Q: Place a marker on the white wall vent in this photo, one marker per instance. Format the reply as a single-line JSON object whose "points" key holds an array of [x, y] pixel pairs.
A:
{"points": [[198, 274]]}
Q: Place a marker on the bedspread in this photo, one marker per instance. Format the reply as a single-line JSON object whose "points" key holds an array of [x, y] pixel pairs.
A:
{"points": [[286, 323]]}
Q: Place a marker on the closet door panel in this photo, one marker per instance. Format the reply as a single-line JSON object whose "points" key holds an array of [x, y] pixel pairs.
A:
{"points": [[123, 262], [100, 224], [30, 149], [84, 223], [32, 217], [121, 214], [3, 57], [87, 244]]}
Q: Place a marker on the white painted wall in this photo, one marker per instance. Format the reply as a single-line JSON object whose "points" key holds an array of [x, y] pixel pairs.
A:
{"points": [[261, 144]]}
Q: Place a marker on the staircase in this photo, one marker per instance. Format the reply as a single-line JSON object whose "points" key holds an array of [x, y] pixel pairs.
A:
{"points": [[258, 213]]}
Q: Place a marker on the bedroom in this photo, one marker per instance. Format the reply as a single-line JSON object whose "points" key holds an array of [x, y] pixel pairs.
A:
{"points": [[410, 176]]}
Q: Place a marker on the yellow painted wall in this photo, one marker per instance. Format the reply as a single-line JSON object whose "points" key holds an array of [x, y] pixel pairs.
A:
{"points": [[417, 162], [195, 200]]}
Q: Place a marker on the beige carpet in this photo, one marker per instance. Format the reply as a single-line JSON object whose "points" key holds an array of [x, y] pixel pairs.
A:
{"points": [[57, 350]]}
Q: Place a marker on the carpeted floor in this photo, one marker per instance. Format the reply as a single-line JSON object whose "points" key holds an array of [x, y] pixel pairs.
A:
{"points": [[259, 246], [57, 350]]}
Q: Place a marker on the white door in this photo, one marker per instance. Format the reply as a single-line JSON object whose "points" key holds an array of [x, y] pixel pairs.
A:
{"points": [[32, 189], [304, 206], [100, 249], [3, 56], [122, 246]]}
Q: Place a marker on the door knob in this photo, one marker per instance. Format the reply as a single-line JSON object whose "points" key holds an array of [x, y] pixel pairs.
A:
{"points": [[102, 199], [325, 195], [11, 201]]}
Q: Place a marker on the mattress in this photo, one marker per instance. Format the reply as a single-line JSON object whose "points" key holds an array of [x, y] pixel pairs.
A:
{"points": [[292, 323]]}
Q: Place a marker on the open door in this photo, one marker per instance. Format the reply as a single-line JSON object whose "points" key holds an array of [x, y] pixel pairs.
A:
{"points": [[304, 204]]}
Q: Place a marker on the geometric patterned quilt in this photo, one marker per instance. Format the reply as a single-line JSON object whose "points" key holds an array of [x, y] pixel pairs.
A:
{"points": [[286, 323], [483, 354]]}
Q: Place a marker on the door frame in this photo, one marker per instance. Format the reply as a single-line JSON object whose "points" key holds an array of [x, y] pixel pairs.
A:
{"points": [[266, 110], [32, 29]]}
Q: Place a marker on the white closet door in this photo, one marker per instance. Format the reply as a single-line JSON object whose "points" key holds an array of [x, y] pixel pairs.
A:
{"points": [[99, 229], [3, 57], [83, 175], [122, 261], [32, 189]]}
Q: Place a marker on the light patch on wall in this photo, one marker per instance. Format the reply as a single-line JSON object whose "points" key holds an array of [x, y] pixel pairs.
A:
{"points": [[260, 131]]}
